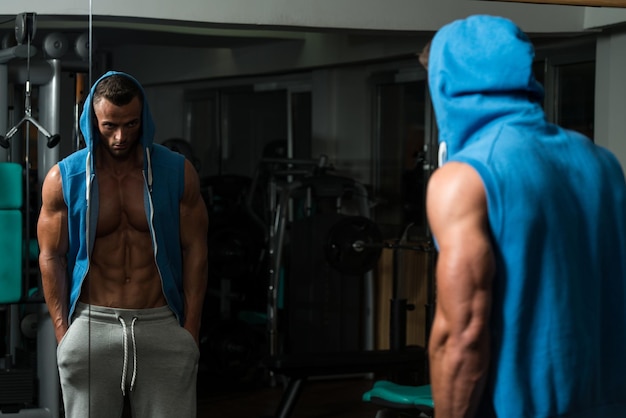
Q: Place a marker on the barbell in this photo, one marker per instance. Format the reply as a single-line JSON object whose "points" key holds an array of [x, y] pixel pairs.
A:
{"points": [[354, 245]]}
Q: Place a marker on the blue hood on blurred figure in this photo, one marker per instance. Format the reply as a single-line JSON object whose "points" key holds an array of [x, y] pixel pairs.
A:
{"points": [[479, 71]]}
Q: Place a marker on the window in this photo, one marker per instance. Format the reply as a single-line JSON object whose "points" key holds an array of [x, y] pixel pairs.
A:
{"points": [[400, 155]]}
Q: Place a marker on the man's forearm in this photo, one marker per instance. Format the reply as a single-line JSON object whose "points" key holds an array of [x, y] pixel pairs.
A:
{"points": [[194, 285], [55, 286], [457, 377]]}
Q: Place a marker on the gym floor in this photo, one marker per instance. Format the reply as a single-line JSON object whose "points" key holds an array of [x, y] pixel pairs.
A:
{"points": [[328, 398]]}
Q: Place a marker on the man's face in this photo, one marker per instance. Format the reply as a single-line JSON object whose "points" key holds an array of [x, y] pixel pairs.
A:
{"points": [[119, 126]]}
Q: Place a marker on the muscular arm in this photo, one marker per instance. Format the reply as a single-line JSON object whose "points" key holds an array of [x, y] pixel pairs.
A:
{"points": [[193, 235], [459, 341], [53, 244]]}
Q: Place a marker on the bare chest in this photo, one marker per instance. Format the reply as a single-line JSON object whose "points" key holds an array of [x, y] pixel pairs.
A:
{"points": [[121, 203]]}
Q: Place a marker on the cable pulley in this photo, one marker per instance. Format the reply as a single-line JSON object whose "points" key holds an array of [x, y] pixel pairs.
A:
{"points": [[25, 28]]}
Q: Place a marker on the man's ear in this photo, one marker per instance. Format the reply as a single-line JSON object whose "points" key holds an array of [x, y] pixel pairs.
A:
{"points": [[424, 55]]}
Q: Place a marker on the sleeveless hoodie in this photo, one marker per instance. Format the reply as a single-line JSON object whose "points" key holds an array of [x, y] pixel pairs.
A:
{"points": [[557, 214], [163, 188]]}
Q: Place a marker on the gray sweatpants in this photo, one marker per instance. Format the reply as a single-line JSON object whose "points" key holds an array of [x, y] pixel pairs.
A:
{"points": [[145, 354]]}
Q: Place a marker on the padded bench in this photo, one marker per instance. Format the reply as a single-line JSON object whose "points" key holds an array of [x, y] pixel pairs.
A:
{"points": [[299, 367], [10, 232], [416, 400]]}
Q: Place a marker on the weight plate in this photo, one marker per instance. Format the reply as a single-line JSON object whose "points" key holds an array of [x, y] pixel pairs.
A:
{"points": [[354, 245]]}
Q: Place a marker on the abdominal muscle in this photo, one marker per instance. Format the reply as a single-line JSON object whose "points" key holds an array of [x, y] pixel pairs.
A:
{"points": [[123, 276], [122, 268]]}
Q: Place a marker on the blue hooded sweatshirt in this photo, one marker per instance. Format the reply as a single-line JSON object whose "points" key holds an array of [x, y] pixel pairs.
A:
{"points": [[557, 213], [164, 185]]}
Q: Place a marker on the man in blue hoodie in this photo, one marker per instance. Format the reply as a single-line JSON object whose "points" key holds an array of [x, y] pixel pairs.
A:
{"points": [[530, 223], [123, 257]]}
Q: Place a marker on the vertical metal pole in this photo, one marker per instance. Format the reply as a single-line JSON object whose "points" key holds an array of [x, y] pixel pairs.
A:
{"points": [[369, 320], [12, 310], [14, 334], [49, 113], [49, 117], [289, 124], [4, 107], [289, 145]]}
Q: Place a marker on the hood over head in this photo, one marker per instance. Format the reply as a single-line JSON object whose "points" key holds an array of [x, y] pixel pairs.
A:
{"points": [[92, 135], [479, 71]]}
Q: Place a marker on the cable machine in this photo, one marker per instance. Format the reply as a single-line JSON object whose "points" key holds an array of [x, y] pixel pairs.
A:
{"points": [[18, 294]]}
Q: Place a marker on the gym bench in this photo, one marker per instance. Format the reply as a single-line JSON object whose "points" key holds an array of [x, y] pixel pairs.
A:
{"points": [[401, 400], [299, 367]]}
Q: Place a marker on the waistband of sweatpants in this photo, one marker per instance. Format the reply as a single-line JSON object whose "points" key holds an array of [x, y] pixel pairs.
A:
{"points": [[111, 315]]}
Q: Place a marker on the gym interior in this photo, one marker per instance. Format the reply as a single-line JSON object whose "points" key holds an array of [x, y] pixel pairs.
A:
{"points": [[310, 126]]}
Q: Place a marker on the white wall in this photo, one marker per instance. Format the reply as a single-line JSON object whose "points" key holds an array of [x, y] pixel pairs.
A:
{"points": [[610, 96], [598, 17], [362, 14]]}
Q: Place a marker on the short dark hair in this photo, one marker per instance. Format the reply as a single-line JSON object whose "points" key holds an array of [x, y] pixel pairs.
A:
{"points": [[118, 89]]}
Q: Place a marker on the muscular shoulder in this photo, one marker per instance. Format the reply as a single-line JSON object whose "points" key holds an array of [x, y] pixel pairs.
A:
{"points": [[455, 193], [455, 184], [192, 181], [52, 189]]}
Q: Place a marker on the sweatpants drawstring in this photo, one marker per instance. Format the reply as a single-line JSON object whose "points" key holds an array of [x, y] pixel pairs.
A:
{"points": [[132, 334], [125, 366]]}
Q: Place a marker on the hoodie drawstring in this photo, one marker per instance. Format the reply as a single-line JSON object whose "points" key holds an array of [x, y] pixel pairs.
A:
{"points": [[125, 366], [149, 161]]}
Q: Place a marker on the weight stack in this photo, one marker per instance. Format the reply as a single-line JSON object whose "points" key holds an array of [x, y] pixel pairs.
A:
{"points": [[324, 308]]}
